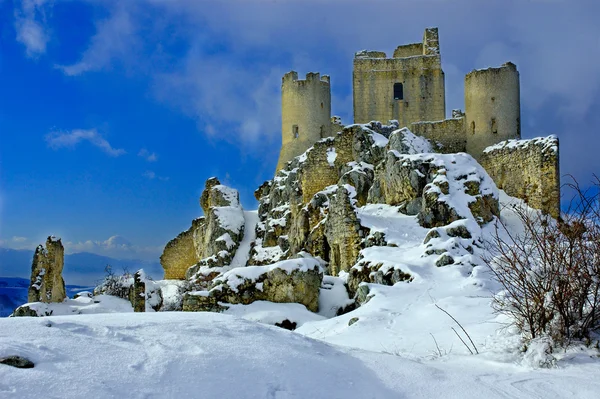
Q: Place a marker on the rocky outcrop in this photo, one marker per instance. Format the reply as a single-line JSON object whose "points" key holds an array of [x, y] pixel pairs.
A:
{"points": [[47, 284], [290, 281], [213, 239], [343, 230], [380, 273], [435, 187], [294, 204]]}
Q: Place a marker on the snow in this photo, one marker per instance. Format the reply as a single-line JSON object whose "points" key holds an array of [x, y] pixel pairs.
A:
{"points": [[416, 144], [379, 140], [243, 252], [547, 143], [331, 156], [399, 344], [272, 313], [159, 355], [230, 218]]}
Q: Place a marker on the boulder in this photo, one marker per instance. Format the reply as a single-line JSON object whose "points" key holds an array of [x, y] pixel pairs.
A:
{"points": [[17, 361], [290, 281], [47, 284]]}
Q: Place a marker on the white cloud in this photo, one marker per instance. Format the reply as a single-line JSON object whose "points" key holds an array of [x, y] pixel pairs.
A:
{"points": [[71, 138], [149, 174], [16, 242], [30, 26], [117, 247], [115, 39], [147, 155]]}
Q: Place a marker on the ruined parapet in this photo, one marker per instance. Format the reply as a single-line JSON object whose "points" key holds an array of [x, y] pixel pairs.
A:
{"points": [[527, 169], [305, 113], [409, 87], [431, 42], [447, 136], [180, 253], [492, 105], [47, 284]]}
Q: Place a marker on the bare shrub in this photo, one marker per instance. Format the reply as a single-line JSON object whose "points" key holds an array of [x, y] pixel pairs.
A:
{"points": [[551, 271], [113, 284]]}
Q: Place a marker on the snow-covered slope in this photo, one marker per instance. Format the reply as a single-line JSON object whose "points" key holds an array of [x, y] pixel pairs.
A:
{"points": [[206, 355]]}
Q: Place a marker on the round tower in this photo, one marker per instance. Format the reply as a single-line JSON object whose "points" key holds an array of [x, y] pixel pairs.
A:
{"points": [[493, 107], [305, 113]]}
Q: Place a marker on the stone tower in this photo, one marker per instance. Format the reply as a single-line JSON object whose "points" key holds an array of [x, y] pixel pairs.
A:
{"points": [[305, 113], [408, 87], [493, 107]]}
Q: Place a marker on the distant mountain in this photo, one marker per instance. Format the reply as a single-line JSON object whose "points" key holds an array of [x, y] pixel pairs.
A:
{"points": [[13, 293], [82, 268]]}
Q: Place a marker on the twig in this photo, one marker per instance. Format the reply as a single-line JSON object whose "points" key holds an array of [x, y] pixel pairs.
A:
{"points": [[436, 344], [461, 340], [461, 327]]}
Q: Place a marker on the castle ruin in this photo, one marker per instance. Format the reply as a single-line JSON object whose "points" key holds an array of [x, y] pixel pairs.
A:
{"points": [[409, 87]]}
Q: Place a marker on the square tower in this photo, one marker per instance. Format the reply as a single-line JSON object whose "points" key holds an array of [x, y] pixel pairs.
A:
{"points": [[409, 87]]}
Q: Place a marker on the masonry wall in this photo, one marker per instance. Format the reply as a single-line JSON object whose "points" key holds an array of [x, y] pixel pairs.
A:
{"points": [[527, 169], [305, 110], [317, 172], [180, 253], [449, 134], [417, 66], [423, 89], [492, 106]]}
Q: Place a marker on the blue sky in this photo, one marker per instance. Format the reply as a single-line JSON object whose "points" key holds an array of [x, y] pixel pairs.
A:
{"points": [[114, 113]]}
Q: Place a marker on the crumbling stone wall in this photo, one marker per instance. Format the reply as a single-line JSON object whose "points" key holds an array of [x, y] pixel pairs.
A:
{"points": [[527, 169], [47, 284], [447, 136], [180, 253]]}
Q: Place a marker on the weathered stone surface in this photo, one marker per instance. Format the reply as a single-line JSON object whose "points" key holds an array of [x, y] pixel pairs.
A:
{"points": [[17, 361], [25, 311], [343, 231], [291, 281], [215, 194], [367, 272], [180, 253], [527, 169], [47, 284]]}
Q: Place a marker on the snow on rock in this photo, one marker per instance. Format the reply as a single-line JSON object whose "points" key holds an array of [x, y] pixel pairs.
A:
{"points": [[440, 188], [289, 281], [406, 142], [549, 143]]}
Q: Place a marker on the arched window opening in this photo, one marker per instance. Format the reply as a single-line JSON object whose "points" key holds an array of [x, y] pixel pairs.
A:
{"points": [[295, 131], [494, 126], [472, 127], [398, 91]]}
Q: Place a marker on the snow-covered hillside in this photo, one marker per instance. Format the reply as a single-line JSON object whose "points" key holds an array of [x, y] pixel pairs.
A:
{"points": [[207, 355], [398, 344]]}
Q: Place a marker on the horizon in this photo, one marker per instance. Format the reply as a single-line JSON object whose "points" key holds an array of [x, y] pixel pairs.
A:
{"points": [[114, 115]]}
